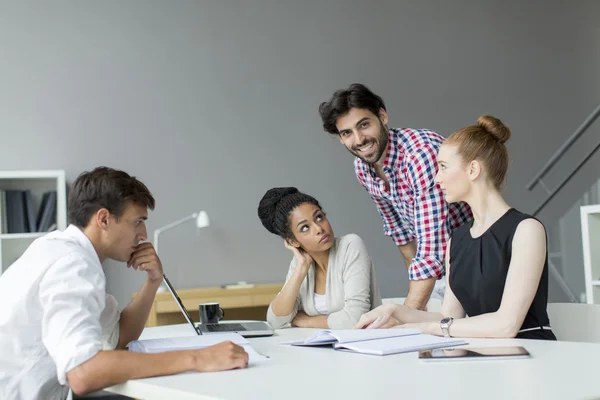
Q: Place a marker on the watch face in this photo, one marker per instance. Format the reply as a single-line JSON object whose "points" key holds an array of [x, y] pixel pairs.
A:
{"points": [[445, 320]]}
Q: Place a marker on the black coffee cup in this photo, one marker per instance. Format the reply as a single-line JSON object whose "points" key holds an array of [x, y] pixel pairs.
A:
{"points": [[210, 313]]}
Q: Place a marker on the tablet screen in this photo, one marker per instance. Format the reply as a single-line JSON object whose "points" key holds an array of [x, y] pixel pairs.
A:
{"points": [[474, 353]]}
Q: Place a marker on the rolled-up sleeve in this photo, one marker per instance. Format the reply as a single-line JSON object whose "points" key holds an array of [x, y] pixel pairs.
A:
{"points": [[430, 213], [72, 293], [357, 285], [109, 323], [284, 321]]}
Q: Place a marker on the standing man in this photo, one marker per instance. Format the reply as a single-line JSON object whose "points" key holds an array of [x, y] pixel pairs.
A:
{"points": [[59, 328], [397, 167]]}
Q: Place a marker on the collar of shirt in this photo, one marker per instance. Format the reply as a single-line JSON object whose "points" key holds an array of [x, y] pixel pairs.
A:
{"points": [[392, 156], [77, 234]]}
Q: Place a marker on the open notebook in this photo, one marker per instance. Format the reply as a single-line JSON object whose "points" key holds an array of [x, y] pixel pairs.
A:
{"points": [[377, 341], [400, 344], [333, 336], [194, 342]]}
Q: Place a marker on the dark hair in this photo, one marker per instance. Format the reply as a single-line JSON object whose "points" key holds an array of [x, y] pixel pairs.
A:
{"points": [[342, 101], [485, 142], [105, 188], [276, 206]]}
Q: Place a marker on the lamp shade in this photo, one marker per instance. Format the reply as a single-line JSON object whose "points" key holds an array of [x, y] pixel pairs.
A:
{"points": [[202, 220]]}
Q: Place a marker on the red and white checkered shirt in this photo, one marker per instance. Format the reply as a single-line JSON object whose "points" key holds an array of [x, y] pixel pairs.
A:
{"points": [[414, 208]]}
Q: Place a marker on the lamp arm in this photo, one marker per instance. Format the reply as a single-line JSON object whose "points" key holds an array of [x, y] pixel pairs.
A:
{"points": [[170, 226]]}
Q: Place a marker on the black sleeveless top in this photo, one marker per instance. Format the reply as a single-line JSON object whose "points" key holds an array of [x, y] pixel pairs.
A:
{"points": [[478, 270]]}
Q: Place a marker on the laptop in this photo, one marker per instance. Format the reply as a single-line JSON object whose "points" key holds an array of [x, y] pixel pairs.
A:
{"points": [[246, 328]]}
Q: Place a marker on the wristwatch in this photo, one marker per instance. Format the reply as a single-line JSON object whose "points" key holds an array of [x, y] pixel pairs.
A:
{"points": [[445, 325]]}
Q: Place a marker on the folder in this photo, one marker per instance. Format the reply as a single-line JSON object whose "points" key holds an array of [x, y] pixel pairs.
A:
{"points": [[3, 228], [15, 212], [47, 214], [29, 211]]}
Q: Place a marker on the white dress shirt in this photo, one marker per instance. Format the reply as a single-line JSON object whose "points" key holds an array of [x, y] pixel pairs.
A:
{"points": [[54, 315]]}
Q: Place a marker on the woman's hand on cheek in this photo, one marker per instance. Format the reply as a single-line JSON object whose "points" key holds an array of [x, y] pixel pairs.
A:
{"points": [[303, 259]]}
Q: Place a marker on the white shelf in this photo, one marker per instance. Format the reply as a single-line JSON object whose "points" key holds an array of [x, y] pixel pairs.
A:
{"points": [[43, 174], [36, 182], [593, 209], [33, 235], [590, 232]]}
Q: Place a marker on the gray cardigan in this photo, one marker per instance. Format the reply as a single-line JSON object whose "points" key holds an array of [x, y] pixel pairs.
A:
{"points": [[351, 288]]}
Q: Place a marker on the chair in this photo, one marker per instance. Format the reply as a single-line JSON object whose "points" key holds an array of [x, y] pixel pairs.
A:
{"points": [[433, 305], [575, 322]]}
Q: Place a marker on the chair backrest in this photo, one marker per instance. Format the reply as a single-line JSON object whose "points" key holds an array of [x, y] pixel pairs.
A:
{"points": [[393, 300], [434, 305], [575, 322]]}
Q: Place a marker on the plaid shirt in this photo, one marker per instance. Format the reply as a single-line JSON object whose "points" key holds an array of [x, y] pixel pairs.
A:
{"points": [[414, 208]]}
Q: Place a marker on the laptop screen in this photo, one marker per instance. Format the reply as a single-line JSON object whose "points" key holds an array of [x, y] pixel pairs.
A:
{"points": [[180, 304]]}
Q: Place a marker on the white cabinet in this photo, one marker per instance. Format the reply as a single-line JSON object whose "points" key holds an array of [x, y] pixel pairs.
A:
{"points": [[590, 231], [12, 245]]}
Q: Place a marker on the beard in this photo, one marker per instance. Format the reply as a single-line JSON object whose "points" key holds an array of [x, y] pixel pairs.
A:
{"points": [[380, 144]]}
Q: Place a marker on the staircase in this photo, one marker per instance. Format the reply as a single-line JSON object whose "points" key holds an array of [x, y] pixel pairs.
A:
{"points": [[559, 211]]}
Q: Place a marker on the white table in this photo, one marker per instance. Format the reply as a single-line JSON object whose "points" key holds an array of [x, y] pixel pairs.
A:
{"points": [[557, 370]]}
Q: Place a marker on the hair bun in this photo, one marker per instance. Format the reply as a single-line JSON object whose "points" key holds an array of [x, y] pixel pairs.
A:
{"points": [[494, 127], [268, 205]]}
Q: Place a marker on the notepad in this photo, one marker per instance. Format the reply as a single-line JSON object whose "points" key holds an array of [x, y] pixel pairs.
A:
{"points": [[194, 343], [341, 336]]}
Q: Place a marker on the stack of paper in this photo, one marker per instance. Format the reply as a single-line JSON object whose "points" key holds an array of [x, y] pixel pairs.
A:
{"points": [[194, 342], [377, 341]]}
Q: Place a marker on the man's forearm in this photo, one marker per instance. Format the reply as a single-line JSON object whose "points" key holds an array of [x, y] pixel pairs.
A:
{"points": [[108, 368], [419, 293], [134, 316], [408, 251]]}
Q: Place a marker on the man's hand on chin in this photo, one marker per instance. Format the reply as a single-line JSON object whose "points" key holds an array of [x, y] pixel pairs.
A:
{"points": [[144, 258]]}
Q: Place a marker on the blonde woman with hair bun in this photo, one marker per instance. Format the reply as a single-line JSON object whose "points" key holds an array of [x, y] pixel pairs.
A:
{"points": [[497, 264]]}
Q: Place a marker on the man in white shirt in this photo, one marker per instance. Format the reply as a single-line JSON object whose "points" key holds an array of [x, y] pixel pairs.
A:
{"points": [[59, 327]]}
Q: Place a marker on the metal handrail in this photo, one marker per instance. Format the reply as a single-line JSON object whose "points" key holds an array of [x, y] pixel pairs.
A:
{"points": [[564, 182], [561, 282], [584, 126], [551, 193]]}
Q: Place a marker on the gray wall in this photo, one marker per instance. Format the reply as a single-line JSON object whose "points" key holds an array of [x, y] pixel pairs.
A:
{"points": [[213, 103]]}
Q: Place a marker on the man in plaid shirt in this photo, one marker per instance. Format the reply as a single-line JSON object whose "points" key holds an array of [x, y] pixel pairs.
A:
{"points": [[397, 167]]}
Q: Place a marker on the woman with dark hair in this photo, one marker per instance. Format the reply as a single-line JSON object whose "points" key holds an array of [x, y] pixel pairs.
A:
{"points": [[496, 265], [330, 281]]}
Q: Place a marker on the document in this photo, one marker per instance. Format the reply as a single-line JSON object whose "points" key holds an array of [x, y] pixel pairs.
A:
{"points": [[194, 343]]}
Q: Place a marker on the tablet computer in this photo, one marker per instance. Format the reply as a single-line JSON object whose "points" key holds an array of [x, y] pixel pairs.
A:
{"points": [[474, 353]]}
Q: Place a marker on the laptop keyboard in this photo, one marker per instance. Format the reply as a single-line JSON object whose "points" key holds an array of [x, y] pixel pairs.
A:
{"points": [[225, 327]]}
